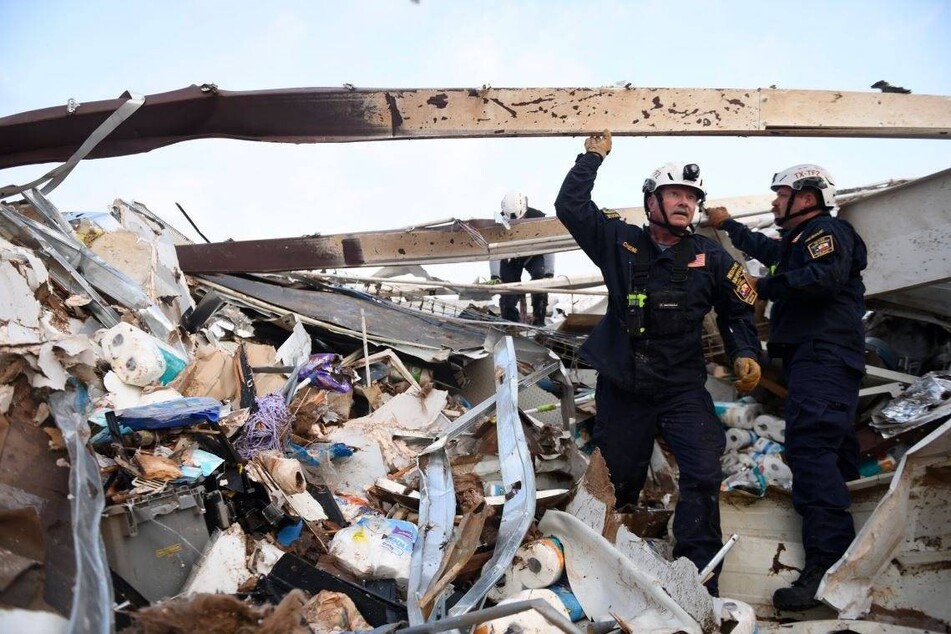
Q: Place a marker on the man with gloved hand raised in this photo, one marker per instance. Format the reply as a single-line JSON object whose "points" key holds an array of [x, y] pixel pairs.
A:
{"points": [[815, 284], [662, 279]]}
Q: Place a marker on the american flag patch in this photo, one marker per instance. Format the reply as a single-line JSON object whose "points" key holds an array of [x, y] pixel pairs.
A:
{"points": [[699, 260]]}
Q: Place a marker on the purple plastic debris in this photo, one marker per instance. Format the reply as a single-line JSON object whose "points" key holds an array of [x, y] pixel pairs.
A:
{"points": [[324, 371]]}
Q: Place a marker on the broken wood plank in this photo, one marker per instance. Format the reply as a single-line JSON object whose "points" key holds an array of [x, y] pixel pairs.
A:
{"points": [[334, 115]]}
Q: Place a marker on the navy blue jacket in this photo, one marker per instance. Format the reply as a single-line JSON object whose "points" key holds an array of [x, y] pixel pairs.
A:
{"points": [[653, 366], [815, 283]]}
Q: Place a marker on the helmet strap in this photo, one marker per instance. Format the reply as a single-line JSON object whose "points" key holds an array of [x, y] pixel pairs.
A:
{"points": [[802, 212], [680, 232]]}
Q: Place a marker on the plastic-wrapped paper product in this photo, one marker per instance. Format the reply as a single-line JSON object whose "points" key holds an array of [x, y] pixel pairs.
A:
{"points": [[737, 439], [138, 358], [738, 414], [776, 471], [133, 355], [765, 445], [771, 427], [376, 548]]}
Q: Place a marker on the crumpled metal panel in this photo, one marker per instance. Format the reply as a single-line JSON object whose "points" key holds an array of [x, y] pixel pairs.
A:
{"points": [[518, 477], [386, 322], [437, 508], [897, 568]]}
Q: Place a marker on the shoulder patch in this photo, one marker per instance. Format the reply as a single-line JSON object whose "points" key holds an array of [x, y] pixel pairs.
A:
{"points": [[610, 214], [630, 247], [821, 247]]}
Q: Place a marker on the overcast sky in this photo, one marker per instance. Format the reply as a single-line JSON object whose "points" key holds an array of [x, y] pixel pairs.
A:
{"points": [[92, 50]]}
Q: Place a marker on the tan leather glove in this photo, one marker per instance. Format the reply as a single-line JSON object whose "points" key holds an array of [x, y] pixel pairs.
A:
{"points": [[747, 373], [716, 216], [599, 144]]}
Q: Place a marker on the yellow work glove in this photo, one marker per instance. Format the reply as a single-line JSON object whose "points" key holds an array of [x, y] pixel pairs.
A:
{"points": [[716, 216], [599, 143], [747, 374]]}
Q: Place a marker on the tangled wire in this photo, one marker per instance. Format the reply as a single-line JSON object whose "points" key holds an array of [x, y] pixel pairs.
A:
{"points": [[267, 428]]}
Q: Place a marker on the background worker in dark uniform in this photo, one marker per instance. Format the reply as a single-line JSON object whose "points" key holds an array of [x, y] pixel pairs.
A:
{"points": [[514, 207], [661, 280], [815, 284]]}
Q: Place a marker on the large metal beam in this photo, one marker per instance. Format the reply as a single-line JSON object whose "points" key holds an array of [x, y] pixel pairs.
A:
{"points": [[907, 230], [328, 115], [477, 241]]}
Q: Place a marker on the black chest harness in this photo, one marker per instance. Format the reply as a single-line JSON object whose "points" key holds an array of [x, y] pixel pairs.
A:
{"points": [[663, 312]]}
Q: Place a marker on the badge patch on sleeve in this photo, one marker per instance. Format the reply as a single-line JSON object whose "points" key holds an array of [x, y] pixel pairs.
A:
{"points": [[745, 292], [821, 247], [610, 214], [698, 260], [741, 287]]}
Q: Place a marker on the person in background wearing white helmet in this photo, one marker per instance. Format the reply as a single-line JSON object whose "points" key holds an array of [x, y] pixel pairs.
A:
{"points": [[815, 284], [514, 207], [662, 280]]}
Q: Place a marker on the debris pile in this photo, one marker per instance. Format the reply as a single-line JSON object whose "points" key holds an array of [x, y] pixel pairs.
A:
{"points": [[284, 453]]}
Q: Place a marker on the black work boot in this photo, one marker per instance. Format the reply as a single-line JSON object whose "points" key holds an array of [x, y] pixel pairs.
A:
{"points": [[802, 594]]}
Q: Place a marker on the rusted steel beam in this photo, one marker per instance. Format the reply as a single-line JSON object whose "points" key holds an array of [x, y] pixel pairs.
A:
{"points": [[483, 240], [377, 248], [331, 115]]}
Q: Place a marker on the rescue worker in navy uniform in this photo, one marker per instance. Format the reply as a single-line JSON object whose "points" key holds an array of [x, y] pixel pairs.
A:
{"points": [[514, 207], [815, 284], [662, 279]]}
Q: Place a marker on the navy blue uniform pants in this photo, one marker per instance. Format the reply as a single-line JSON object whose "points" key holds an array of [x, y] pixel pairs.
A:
{"points": [[624, 432], [511, 271], [821, 446]]}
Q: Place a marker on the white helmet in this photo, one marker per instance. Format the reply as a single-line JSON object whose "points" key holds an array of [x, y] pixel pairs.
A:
{"points": [[514, 205], [675, 174], [807, 175]]}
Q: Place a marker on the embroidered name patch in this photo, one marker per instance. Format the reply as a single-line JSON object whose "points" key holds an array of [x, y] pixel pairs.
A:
{"points": [[699, 260], [821, 247], [629, 247]]}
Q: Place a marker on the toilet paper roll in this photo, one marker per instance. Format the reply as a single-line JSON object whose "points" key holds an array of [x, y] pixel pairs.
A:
{"points": [[776, 471], [740, 415], [765, 445], [771, 427], [737, 439], [540, 563]]}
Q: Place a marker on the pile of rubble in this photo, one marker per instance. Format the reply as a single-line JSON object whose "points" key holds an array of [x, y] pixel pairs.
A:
{"points": [[226, 452]]}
